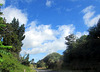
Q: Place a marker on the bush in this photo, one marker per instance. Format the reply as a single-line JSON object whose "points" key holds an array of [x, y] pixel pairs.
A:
{"points": [[11, 64]]}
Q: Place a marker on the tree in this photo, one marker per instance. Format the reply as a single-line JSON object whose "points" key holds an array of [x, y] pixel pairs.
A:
{"points": [[25, 60], [83, 53], [3, 49], [10, 38], [41, 64], [94, 42], [51, 60], [69, 41], [19, 30], [94, 32], [13, 35]]}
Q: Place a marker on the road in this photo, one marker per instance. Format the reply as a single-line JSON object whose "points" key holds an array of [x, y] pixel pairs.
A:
{"points": [[38, 70]]}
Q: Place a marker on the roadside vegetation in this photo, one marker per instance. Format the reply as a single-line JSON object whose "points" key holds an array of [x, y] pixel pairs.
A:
{"points": [[11, 36], [81, 53]]}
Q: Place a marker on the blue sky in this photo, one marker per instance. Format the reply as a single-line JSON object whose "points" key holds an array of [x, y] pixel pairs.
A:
{"points": [[47, 22]]}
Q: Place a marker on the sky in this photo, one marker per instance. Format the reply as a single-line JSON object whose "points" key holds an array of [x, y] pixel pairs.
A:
{"points": [[48, 22]]}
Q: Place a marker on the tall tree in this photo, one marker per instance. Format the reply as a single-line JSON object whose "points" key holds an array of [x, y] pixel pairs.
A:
{"points": [[69, 41], [25, 60], [19, 30], [3, 49], [94, 32], [14, 34]]}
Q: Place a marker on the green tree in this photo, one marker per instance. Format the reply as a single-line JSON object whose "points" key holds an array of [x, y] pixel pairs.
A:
{"points": [[83, 53], [69, 41], [94, 32], [3, 49], [93, 42], [10, 38], [51, 60], [41, 64], [25, 60], [13, 35], [19, 30]]}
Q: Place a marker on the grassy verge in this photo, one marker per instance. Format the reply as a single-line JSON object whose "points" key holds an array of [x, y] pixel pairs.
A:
{"points": [[11, 64]]}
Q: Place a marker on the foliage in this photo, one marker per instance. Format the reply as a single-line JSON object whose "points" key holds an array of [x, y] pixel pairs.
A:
{"points": [[41, 64], [1, 4], [25, 60], [94, 32], [13, 35], [3, 49], [11, 64], [84, 53], [70, 41], [51, 60]]}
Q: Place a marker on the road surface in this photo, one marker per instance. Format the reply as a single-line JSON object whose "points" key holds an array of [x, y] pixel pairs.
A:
{"points": [[38, 70]]}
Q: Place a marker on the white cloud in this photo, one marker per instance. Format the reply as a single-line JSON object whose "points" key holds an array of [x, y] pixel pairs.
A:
{"points": [[48, 3], [44, 39], [2, 1], [89, 18], [11, 12], [88, 9]]}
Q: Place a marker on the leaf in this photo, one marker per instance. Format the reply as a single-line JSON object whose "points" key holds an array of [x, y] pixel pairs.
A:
{"points": [[2, 25], [1, 4], [1, 60]]}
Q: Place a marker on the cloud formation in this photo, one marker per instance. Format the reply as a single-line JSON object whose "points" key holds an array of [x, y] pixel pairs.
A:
{"points": [[48, 3], [89, 18], [11, 12], [2, 1], [43, 39]]}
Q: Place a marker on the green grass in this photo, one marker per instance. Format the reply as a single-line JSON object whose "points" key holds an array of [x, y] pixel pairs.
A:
{"points": [[11, 64]]}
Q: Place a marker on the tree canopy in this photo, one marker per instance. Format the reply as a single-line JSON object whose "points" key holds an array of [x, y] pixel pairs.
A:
{"points": [[84, 52], [52, 59]]}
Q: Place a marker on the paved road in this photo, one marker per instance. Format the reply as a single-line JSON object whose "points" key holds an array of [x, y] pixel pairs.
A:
{"points": [[38, 70]]}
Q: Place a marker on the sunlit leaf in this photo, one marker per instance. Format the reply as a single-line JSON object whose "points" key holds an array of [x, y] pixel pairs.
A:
{"points": [[1, 4]]}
